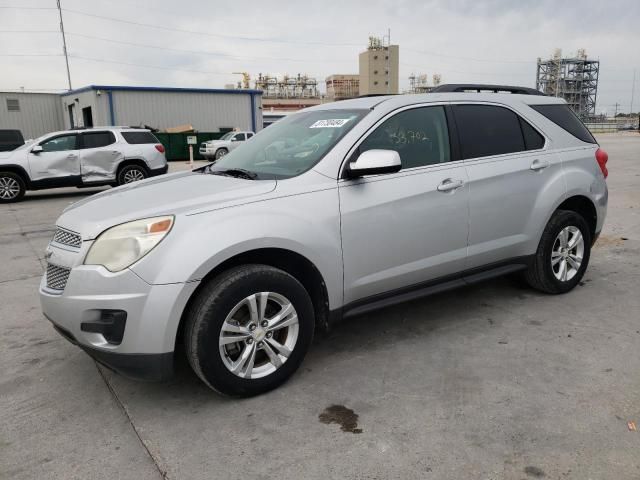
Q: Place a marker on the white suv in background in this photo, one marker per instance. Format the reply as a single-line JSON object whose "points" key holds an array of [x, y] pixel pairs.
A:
{"points": [[81, 158], [214, 149]]}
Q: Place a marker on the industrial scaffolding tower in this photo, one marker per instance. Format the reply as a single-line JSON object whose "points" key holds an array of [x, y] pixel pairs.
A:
{"points": [[573, 79]]}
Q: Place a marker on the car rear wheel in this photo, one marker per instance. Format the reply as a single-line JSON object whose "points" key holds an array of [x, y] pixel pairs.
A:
{"points": [[563, 254], [221, 152], [249, 329], [12, 187], [132, 173]]}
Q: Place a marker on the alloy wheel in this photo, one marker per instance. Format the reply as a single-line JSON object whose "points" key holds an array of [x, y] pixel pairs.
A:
{"points": [[258, 335], [567, 253], [9, 188], [133, 175]]}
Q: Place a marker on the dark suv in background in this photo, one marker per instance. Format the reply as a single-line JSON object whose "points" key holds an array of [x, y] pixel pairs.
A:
{"points": [[10, 140]]}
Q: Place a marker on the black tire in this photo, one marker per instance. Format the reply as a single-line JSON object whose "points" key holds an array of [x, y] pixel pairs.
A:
{"points": [[207, 314], [540, 274], [126, 172], [9, 181], [221, 152]]}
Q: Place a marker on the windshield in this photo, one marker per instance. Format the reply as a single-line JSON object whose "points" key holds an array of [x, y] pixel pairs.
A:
{"points": [[227, 136], [292, 145]]}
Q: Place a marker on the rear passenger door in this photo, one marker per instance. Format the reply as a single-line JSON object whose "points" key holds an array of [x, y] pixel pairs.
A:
{"points": [[512, 172], [403, 229], [99, 156]]}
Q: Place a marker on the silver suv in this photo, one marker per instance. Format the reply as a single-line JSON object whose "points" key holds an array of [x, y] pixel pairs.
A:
{"points": [[331, 212], [215, 149], [81, 158]]}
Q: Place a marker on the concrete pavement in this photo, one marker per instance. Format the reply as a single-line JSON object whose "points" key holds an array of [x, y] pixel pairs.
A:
{"points": [[492, 381]]}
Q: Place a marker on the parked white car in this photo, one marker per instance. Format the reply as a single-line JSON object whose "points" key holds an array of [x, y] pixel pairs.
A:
{"points": [[81, 158], [214, 149]]}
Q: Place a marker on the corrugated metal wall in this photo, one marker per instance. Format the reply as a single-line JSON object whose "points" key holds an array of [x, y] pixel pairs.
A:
{"points": [[207, 112], [39, 113]]}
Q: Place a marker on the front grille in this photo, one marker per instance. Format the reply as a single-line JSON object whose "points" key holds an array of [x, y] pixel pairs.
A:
{"points": [[57, 276], [65, 237]]}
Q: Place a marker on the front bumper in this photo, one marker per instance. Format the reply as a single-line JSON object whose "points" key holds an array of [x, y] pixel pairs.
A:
{"points": [[153, 315], [153, 367]]}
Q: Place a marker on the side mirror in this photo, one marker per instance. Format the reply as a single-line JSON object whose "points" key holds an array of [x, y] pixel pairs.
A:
{"points": [[37, 149], [234, 139], [374, 162]]}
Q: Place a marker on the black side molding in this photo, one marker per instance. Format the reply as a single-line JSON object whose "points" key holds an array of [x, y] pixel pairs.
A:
{"points": [[420, 290]]}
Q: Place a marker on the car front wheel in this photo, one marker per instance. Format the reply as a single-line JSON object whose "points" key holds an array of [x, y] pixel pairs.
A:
{"points": [[12, 187], [563, 254], [221, 152], [249, 329]]}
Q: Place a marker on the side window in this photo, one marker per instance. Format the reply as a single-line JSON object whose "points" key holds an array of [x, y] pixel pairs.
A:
{"points": [[60, 144], [532, 139], [564, 117], [419, 135], [486, 130], [249, 135], [97, 139], [239, 137]]}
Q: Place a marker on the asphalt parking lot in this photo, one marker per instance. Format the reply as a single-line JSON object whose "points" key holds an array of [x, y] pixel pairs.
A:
{"points": [[492, 381]]}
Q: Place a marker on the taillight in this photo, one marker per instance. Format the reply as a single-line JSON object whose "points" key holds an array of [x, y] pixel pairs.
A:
{"points": [[160, 147], [602, 158]]}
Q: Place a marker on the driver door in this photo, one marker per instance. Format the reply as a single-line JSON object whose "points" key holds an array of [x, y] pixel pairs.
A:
{"points": [[237, 140], [59, 158], [402, 230]]}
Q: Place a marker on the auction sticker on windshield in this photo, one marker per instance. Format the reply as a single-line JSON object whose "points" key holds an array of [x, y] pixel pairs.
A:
{"points": [[330, 123]]}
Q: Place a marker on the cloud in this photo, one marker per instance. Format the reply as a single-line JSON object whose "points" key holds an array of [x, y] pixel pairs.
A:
{"points": [[491, 41]]}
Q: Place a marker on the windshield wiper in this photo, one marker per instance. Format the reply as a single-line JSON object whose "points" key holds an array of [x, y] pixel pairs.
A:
{"points": [[235, 172]]}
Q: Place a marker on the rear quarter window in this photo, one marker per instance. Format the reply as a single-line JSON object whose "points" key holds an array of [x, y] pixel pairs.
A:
{"points": [[139, 137], [564, 117]]}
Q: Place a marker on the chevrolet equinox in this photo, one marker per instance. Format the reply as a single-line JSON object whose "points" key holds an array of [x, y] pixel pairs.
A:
{"points": [[331, 212]]}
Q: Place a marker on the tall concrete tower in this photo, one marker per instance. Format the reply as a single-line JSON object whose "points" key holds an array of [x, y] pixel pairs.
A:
{"points": [[379, 68]]}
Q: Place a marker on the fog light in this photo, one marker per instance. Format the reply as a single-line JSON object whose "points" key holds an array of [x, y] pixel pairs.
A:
{"points": [[110, 326]]}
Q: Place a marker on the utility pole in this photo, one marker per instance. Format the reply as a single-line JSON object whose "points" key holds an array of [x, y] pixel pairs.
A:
{"points": [[64, 43], [616, 114], [633, 91]]}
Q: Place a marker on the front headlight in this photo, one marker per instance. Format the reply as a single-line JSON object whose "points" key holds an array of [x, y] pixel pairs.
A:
{"points": [[121, 246]]}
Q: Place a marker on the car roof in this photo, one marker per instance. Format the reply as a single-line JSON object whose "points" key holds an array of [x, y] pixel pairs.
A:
{"points": [[97, 129], [409, 99]]}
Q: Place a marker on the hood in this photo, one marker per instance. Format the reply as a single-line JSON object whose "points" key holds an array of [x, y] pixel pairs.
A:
{"points": [[173, 194]]}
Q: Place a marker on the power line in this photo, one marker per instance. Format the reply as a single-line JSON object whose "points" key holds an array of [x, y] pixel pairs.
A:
{"points": [[485, 60], [208, 34], [196, 52], [30, 54], [11, 7], [29, 31], [101, 60], [205, 72]]}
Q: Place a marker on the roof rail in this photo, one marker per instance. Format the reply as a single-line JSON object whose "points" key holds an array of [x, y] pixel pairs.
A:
{"points": [[479, 88]]}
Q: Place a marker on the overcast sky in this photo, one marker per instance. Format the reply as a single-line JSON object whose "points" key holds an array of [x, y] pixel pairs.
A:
{"points": [[198, 43]]}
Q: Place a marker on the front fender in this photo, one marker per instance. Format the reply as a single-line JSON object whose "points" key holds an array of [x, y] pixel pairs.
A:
{"points": [[307, 224]]}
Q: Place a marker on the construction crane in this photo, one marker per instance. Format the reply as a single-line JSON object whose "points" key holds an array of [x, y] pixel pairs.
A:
{"points": [[246, 78]]}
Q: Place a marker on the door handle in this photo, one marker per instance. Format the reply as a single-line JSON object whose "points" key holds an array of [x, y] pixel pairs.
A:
{"points": [[538, 165], [450, 185], [71, 155]]}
